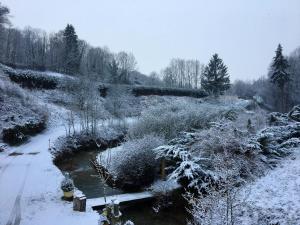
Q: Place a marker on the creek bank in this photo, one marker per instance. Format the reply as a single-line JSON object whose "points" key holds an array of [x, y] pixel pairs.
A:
{"points": [[66, 147]]}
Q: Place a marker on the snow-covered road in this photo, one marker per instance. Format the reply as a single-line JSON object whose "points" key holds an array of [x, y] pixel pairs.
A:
{"points": [[30, 186]]}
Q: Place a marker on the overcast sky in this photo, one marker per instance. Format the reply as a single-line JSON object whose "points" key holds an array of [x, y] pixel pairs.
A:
{"points": [[244, 33]]}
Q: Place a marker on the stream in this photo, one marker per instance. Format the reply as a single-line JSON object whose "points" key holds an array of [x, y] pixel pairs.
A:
{"points": [[141, 213], [84, 176]]}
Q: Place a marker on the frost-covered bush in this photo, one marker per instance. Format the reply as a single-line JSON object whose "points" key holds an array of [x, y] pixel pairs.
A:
{"points": [[12, 89], [20, 113], [294, 114], [211, 164], [276, 140], [277, 119], [146, 90], [67, 185], [32, 79], [135, 165], [108, 137], [163, 188], [120, 103], [169, 120], [281, 119], [208, 156], [128, 222]]}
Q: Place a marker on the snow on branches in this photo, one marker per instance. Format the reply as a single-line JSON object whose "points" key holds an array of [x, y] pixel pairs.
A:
{"points": [[223, 151]]}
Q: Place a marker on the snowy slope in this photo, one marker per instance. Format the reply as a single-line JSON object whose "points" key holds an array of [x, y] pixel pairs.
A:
{"points": [[275, 198]]}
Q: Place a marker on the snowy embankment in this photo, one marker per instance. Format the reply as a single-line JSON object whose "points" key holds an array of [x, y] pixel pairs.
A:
{"points": [[30, 186], [275, 198]]}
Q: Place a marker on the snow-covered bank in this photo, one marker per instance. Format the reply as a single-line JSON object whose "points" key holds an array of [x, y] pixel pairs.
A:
{"points": [[30, 186], [275, 198], [21, 115]]}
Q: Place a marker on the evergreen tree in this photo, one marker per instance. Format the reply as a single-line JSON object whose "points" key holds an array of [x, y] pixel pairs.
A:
{"points": [[215, 79], [4, 12], [71, 51], [280, 76]]}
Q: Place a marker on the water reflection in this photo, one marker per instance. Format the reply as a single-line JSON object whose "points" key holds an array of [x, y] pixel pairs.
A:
{"points": [[84, 176]]}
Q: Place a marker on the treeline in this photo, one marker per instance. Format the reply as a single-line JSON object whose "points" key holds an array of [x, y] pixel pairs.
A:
{"points": [[280, 89], [61, 52]]}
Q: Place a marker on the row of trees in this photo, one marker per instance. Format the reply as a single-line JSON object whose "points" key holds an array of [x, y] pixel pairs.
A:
{"points": [[213, 78], [61, 52], [65, 52], [280, 89], [183, 73]]}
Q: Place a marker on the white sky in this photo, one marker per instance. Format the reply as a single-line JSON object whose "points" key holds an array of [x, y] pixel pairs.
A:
{"points": [[244, 33]]}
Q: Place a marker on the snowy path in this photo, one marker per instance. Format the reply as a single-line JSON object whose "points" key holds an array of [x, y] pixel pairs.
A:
{"points": [[275, 198], [30, 186]]}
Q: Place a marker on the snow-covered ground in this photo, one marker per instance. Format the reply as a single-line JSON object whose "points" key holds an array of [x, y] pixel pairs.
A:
{"points": [[30, 186], [275, 198]]}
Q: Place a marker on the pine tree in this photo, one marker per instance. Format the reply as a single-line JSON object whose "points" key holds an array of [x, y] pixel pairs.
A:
{"points": [[71, 51], [4, 12], [279, 75], [215, 79]]}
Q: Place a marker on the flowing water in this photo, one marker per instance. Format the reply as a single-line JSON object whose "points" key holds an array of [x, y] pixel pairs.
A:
{"points": [[84, 176]]}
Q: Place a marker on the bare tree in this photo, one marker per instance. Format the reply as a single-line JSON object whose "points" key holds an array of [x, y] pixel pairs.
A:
{"points": [[183, 73], [127, 64]]}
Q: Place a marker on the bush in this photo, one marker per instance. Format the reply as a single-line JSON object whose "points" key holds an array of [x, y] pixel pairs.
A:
{"points": [[211, 156], [65, 146], [20, 113], [32, 80], [67, 185], [12, 90], [135, 166], [142, 90], [20, 133], [168, 120]]}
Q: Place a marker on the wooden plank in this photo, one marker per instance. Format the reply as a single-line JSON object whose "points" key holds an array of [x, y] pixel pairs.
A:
{"points": [[120, 198]]}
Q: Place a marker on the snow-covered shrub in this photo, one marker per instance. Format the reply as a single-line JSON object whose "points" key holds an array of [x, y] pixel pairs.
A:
{"points": [[32, 79], [67, 185], [277, 119], [169, 120], [215, 207], [128, 222], [274, 140], [12, 89], [135, 166], [281, 119], [108, 137], [163, 192], [20, 113], [294, 114], [209, 156], [146, 90], [120, 102], [163, 188]]}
